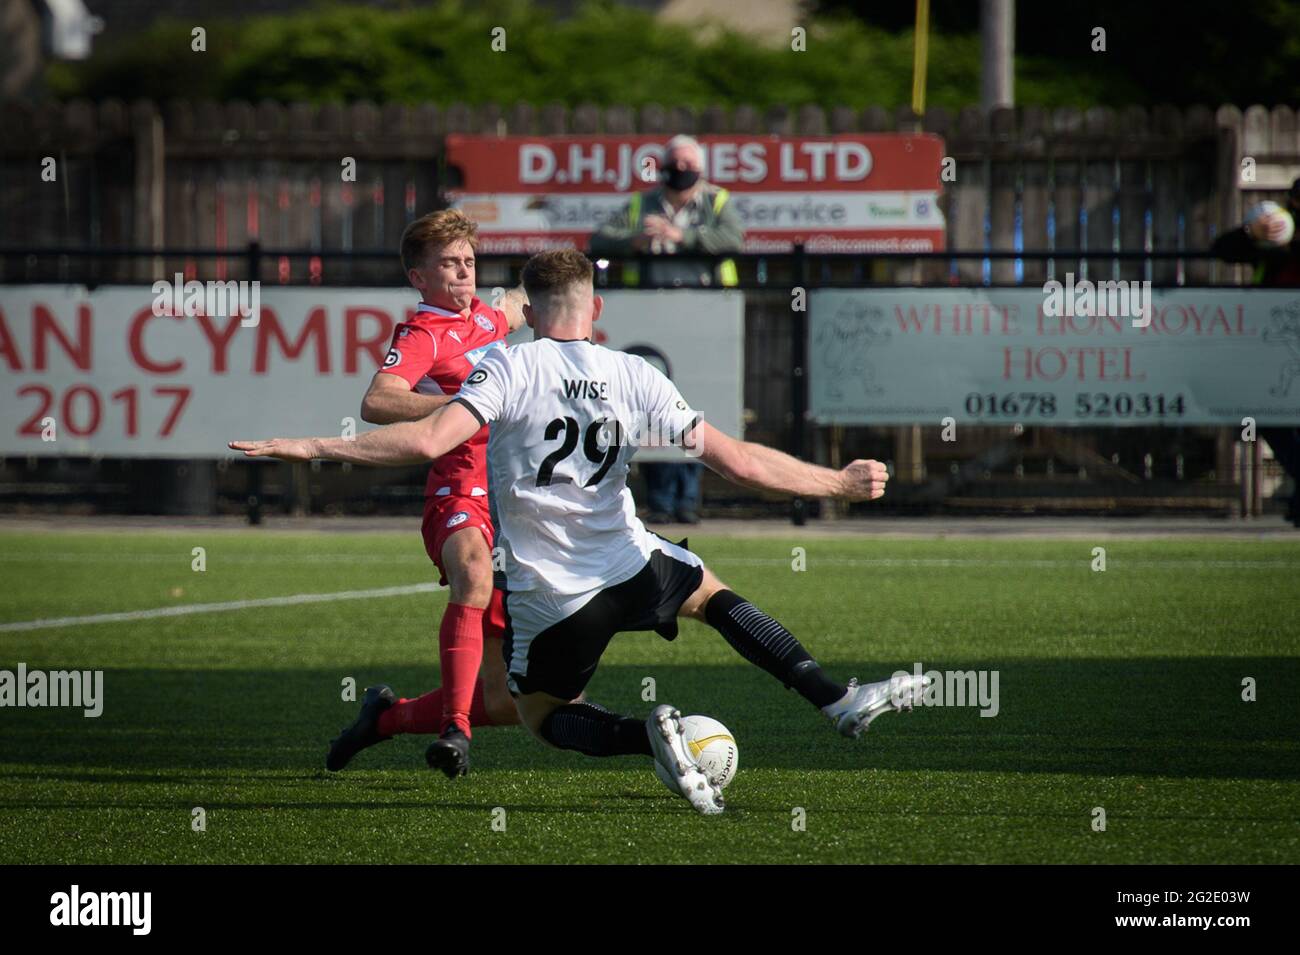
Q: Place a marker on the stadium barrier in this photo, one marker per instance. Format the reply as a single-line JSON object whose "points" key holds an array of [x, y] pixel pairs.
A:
{"points": [[224, 190], [1198, 467]]}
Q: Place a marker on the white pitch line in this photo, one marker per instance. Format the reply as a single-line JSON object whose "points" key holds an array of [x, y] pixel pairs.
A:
{"points": [[184, 558], [296, 599], [187, 609]]}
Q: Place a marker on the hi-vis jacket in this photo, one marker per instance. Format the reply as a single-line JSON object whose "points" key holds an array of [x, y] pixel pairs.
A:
{"points": [[712, 227]]}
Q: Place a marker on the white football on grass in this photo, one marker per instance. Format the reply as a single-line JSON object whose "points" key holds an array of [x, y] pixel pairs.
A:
{"points": [[712, 745]]}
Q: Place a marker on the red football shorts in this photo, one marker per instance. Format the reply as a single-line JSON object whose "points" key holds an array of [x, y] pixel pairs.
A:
{"points": [[445, 515]]}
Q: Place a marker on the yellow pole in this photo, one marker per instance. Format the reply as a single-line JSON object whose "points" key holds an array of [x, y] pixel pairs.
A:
{"points": [[921, 43]]}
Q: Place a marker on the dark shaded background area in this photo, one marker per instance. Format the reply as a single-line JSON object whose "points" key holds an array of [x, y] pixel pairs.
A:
{"points": [[1186, 52]]}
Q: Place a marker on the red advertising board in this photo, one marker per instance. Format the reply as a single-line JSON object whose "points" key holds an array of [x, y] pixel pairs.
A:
{"points": [[851, 193]]}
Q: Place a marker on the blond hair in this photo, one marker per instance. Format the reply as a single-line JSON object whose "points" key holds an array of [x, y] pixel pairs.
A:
{"points": [[435, 230]]}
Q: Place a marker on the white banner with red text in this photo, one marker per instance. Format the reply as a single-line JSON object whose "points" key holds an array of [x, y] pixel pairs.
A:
{"points": [[87, 373], [1202, 356]]}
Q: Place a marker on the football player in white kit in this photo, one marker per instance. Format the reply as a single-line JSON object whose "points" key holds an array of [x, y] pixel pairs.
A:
{"points": [[565, 419]]}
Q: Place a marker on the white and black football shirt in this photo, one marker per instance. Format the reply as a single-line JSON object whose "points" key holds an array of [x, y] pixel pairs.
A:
{"points": [[566, 419]]}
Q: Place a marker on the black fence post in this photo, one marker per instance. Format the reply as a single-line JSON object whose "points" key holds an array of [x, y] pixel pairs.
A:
{"points": [[254, 260], [799, 380], [254, 498]]}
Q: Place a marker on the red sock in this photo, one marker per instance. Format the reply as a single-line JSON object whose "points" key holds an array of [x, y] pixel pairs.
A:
{"points": [[478, 714], [460, 651], [494, 618], [423, 714]]}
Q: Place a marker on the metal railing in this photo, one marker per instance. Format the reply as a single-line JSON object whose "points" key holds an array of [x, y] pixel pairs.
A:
{"points": [[757, 270]]}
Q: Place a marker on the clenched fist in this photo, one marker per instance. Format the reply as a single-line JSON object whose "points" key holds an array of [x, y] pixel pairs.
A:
{"points": [[863, 480]]}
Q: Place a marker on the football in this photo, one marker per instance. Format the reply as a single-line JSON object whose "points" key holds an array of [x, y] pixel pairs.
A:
{"points": [[1275, 228], [713, 745]]}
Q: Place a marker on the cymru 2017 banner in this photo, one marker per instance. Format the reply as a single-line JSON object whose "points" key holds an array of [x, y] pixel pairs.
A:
{"points": [[1208, 356], [102, 373]]}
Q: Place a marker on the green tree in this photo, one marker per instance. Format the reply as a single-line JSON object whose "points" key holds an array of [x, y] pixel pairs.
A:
{"points": [[604, 53]]}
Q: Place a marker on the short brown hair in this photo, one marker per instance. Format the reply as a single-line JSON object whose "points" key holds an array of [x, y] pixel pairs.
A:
{"points": [[555, 271], [435, 230]]}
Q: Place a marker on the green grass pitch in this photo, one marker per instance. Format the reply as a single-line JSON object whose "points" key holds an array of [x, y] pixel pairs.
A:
{"points": [[1120, 690]]}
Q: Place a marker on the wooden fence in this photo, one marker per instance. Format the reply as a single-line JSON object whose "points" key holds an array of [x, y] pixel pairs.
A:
{"points": [[219, 174]]}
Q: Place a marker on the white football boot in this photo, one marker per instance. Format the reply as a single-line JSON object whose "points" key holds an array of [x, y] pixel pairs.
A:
{"points": [[668, 741], [862, 704]]}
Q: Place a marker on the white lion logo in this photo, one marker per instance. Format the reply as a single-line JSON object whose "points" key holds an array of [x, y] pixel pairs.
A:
{"points": [[1285, 330]]}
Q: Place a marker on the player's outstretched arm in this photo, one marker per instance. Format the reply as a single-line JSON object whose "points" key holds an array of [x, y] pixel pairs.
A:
{"points": [[389, 399], [754, 465], [410, 442]]}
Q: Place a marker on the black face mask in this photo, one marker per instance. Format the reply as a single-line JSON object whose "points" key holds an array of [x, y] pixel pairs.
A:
{"points": [[679, 179]]}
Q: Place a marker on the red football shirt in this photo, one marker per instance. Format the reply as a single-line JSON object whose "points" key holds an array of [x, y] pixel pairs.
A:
{"points": [[435, 352]]}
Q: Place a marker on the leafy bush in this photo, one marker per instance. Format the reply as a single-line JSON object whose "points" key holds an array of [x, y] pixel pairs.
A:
{"points": [[605, 53]]}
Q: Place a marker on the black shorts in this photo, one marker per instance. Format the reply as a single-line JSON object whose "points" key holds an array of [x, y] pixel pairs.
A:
{"points": [[553, 642]]}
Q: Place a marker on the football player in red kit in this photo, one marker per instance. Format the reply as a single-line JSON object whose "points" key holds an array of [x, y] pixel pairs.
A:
{"points": [[431, 356]]}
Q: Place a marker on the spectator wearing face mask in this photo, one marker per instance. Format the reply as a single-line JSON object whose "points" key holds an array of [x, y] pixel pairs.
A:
{"points": [[685, 223], [686, 220], [1259, 242]]}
